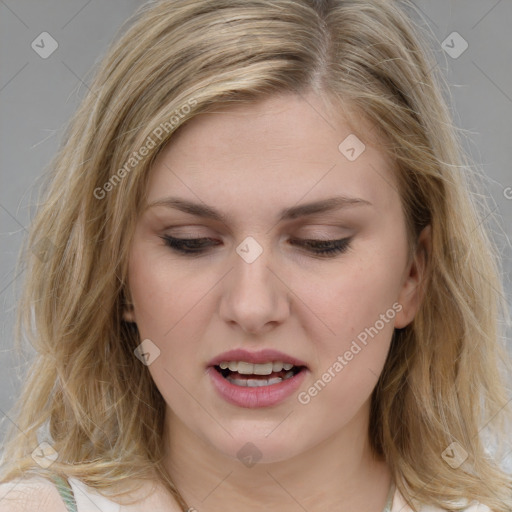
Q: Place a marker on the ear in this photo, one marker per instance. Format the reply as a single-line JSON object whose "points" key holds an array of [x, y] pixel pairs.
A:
{"points": [[128, 313], [128, 310], [412, 291]]}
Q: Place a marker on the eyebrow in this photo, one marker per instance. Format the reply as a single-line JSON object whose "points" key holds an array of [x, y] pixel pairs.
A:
{"points": [[293, 212]]}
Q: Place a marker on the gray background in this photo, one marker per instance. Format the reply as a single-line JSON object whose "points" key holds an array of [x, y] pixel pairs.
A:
{"points": [[37, 97]]}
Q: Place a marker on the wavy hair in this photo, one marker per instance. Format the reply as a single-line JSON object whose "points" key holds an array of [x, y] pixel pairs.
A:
{"points": [[91, 398]]}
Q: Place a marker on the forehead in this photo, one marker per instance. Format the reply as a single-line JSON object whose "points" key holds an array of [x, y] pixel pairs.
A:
{"points": [[273, 152]]}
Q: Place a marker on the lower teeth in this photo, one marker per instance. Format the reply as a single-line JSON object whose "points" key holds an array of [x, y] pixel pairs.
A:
{"points": [[254, 383]]}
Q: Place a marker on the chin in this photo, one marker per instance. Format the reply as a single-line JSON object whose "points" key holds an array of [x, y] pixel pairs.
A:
{"points": [[251, 448]]}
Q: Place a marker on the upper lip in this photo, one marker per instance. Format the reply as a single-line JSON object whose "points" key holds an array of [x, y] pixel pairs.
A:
{"points": [[262, 356]]}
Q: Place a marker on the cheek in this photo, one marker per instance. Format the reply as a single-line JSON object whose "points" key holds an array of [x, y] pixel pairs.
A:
{"points": [[351, 358], [356, 292], [162, 291], [172, 307], [357, 304], [169, 312]]}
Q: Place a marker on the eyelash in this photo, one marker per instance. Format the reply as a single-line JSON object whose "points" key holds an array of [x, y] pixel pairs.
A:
{"points": [[323, 248]]}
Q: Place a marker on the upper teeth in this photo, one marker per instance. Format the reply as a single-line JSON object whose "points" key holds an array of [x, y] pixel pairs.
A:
{"points": [[257, 369]]}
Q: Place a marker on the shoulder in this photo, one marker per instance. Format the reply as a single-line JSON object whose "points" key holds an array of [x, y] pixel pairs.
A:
{"points": [[29, 494], [400, 505], [150, 497], [38, 493]]}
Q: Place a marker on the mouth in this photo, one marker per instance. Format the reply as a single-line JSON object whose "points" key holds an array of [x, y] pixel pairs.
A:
{"points": [[248, 379], [252, 375]]}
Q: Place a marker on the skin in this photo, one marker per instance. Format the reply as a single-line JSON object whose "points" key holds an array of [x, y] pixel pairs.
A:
{"points": [[250, 162]]}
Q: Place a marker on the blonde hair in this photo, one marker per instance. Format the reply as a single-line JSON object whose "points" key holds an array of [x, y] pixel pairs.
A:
{"points": [[175, 60]]}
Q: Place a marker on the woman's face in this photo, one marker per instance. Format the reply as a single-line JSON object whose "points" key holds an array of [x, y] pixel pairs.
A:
{"points": [[255, 284]]}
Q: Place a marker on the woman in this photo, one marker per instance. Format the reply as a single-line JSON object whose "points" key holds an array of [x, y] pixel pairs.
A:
{"points": [[261, 279]]}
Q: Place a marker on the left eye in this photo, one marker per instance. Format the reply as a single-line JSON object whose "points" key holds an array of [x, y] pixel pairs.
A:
{"points": [[199, 245]]}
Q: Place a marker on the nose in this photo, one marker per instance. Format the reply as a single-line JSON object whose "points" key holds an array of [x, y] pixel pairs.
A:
{"points": [[254, 297]]}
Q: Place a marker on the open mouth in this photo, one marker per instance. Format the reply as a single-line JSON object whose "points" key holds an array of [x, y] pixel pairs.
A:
{"points": [[257, 375]]}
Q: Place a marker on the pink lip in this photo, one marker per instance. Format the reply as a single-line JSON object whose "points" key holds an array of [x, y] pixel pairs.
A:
{"points": [[253, 398], [263, 356]]}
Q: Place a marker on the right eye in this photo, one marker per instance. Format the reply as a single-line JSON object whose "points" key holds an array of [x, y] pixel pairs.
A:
{"points": [[187, 245]]}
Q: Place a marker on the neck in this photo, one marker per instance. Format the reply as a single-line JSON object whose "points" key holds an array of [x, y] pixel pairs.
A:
{"points": [[335, 474]]}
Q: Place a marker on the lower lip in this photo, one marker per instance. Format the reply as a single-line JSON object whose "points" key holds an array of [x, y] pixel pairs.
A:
{"points": [[252, 398]]}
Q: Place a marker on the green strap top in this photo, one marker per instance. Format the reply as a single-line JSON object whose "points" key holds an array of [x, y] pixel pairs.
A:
{"points": [[66, 492]]}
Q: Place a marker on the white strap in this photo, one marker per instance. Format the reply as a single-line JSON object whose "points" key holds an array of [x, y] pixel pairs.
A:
{"points": [[88, 500]]}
